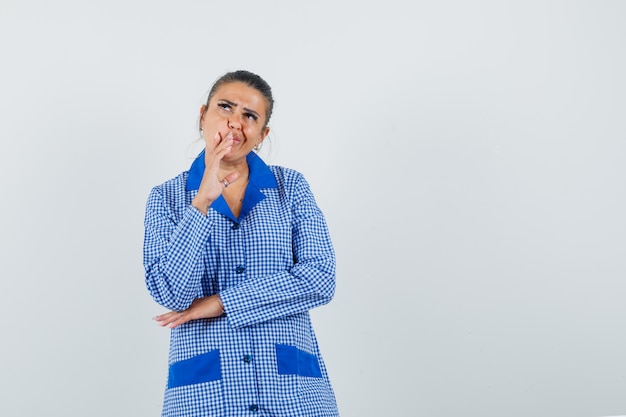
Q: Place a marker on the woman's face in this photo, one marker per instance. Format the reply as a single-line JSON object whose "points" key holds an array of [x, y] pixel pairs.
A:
{"points": [[237, 108]]}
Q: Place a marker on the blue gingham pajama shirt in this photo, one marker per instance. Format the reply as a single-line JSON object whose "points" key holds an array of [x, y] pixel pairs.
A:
{"points": [[270, 266]]}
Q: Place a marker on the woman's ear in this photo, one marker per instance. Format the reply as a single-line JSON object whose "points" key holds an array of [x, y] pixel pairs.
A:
{"points": [[264, 134], [203, 109]]}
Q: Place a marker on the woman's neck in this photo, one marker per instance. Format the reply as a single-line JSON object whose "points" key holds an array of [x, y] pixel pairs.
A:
{"points": [[227, 168]]}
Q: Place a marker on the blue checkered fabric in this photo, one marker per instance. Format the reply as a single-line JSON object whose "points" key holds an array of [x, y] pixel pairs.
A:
{"points": [[270, 266]]}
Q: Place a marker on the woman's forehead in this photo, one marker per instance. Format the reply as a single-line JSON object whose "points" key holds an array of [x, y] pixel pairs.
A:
{"points": [[242, 91], [242, 95]]}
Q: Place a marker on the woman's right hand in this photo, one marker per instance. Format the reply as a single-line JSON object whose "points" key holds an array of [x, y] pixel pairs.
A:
{"points": [[201, 308], [212, 186]]}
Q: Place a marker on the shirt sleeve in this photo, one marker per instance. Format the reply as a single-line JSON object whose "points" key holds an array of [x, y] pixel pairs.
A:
{"points": [[173, 248], [308, 284]]}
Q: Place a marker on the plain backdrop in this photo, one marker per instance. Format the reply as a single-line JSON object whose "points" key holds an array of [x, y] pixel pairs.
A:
{"points": [[469, 157]]}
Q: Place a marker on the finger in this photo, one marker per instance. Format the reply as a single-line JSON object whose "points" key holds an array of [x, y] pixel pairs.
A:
{"points": [[217, 138], [167, 318], [212, 144], [162, 317], [222, 150], [225, 142], [222, 146], [162, 321], [232, 177], [178, 320], [229, 179]]}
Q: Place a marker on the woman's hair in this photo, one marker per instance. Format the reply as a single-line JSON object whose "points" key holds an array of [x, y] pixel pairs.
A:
{"points": [[251, 80]]}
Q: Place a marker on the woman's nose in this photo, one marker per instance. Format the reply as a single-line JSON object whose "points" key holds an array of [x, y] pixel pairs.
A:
{"points": [[233, 123]]}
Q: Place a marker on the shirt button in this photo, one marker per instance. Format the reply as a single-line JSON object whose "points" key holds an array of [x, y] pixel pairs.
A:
{"points": [[247, 358], [240, 269], [235, 226], [254, 408]]}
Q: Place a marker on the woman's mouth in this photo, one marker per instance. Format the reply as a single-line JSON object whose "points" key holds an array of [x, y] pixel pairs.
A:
{"points": [[236, 139]]}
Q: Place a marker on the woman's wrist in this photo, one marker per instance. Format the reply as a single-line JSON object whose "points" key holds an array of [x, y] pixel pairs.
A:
{"points": [[202, 206], [221, 305]]}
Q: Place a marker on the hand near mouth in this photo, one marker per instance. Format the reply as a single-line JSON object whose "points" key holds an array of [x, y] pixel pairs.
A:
{"points": [[212, 186]]}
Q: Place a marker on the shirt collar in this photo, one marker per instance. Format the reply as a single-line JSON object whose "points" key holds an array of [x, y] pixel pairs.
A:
{"points": [[260, 177], [260, 173]]}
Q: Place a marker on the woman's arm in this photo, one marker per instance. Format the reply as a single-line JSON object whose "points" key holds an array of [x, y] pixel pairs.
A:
{"points": [[308, 284], [172, 248], [173, 243]]}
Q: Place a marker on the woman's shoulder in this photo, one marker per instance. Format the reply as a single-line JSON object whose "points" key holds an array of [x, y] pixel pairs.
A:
{"points": [[291, 182], [170, 196], [286, 175], [173, 186]]}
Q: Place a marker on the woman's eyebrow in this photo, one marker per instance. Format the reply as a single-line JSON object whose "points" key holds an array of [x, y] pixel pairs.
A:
{"points": [[250, 111], [230, 103]]}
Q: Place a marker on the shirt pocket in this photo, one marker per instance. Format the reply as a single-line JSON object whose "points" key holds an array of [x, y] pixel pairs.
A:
{"points": [[294, 361], [195, 370]]}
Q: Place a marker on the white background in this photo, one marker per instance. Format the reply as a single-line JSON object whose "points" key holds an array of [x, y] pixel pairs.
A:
{"points": [[469, 157]]}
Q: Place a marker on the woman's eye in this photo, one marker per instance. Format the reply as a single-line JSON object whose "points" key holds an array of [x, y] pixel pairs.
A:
{"points": [[251, 116], [224, 106]]}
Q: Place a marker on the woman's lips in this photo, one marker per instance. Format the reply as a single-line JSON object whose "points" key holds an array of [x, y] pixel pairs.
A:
{"points": [[236, 139]]}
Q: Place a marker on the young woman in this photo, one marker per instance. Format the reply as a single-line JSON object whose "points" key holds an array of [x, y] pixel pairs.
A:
{"points": [[239, 252]]}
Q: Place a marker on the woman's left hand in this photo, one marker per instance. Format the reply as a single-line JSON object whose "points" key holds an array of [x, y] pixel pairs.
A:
{"points": [[200, 308]]}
